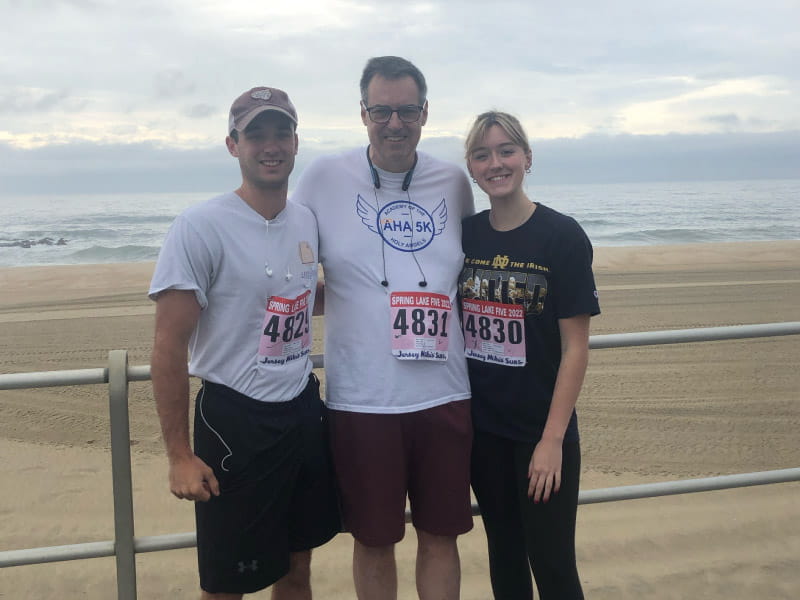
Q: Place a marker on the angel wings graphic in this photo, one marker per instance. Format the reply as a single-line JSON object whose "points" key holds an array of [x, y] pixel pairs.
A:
{"points": [[370, 215]]}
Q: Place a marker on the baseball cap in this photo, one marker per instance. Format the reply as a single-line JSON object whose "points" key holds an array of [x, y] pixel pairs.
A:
{"points": [[255, 101]]}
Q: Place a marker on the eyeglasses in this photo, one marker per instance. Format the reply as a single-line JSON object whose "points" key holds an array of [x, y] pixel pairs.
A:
{"points": [[382, 114]]}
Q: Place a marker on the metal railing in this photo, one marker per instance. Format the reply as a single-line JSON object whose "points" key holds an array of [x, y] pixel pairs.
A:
{"points": [[118, 375]]}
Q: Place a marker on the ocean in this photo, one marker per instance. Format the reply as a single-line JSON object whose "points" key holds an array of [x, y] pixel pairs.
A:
{"points": [[75, 229]]}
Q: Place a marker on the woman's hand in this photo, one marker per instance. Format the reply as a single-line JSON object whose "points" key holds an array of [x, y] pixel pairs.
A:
{"points": [[544, 470]]}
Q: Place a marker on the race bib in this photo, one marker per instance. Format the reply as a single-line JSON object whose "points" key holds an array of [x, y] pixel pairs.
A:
{"points": [[420, 322], [286, 334], [494, 332]]}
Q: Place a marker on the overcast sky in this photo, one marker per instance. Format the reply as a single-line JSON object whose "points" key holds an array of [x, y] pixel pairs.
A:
{"points": [[100, 95]]}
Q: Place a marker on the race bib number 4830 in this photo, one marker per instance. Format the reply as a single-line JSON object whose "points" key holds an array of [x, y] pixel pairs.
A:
{"points": [[286, 334], [494, 332], [420, 322]]}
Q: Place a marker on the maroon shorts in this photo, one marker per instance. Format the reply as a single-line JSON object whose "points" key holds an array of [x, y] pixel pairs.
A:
{"points": [[381, 458]]}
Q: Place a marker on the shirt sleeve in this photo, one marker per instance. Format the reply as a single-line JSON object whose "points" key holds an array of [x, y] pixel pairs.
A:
{"points": [[184, 263], [576, 291], [303, 193]]}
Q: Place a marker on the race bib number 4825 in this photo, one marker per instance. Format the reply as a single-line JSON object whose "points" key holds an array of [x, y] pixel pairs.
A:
{"points": [[420, 322], [286, 334], [494, 332]]}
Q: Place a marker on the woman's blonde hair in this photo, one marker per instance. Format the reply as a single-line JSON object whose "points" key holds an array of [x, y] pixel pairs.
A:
{"points": [[508, 123]]}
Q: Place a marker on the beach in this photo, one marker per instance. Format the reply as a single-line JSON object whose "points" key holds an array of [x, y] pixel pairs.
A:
{"points": [[647, 414]]}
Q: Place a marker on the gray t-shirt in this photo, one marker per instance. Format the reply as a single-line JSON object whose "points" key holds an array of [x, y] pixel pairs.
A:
{"points": [[255, 281]]}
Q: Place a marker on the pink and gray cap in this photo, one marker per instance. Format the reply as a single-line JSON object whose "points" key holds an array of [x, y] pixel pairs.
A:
{"points": [[253, 102]]}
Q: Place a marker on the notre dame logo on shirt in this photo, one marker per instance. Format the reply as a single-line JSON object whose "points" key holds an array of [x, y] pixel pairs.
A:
{"points": [[500, 262]]}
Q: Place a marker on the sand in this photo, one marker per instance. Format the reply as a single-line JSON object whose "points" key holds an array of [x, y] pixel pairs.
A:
{"points": [[647, 414]]}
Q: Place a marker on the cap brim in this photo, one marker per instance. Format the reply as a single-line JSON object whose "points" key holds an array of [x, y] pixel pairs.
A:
{"points": [[248, 118]]}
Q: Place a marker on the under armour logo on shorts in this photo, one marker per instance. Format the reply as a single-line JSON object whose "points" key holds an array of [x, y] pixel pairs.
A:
{"points": [[253, 566]]}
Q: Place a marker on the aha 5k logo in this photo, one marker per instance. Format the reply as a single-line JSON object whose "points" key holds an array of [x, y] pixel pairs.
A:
{"points": [[402, 224]]}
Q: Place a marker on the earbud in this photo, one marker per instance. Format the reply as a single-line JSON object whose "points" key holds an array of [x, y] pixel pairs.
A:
{"points": [[422, 283], [267, 270]]}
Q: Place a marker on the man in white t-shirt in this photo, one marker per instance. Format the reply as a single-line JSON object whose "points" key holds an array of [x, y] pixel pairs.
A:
{"points": [[235, 284], [389, 221]]}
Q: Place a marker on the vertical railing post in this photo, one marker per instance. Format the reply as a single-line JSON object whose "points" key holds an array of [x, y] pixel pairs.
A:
{"points": [[121, 474]]}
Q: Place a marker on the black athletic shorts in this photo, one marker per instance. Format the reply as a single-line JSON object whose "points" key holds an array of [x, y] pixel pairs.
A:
{"points": [[277, 488]]}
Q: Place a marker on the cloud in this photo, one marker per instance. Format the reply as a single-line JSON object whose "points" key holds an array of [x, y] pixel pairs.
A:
{"points": [[730, 119], [687, 111], [36, 101], [164, 72], [200, 111], [622, 158], [148, 167], [173, 83]]}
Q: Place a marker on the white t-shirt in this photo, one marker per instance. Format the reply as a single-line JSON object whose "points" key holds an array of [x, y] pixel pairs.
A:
{"points": [[255, 281], [370, 235]]}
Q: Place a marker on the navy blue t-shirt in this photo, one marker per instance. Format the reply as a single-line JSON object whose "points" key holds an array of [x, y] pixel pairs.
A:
{"points": [[544, 265]]}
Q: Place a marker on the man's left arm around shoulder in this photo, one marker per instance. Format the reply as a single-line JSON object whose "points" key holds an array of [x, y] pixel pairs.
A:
{"points": [[177, 313]]}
